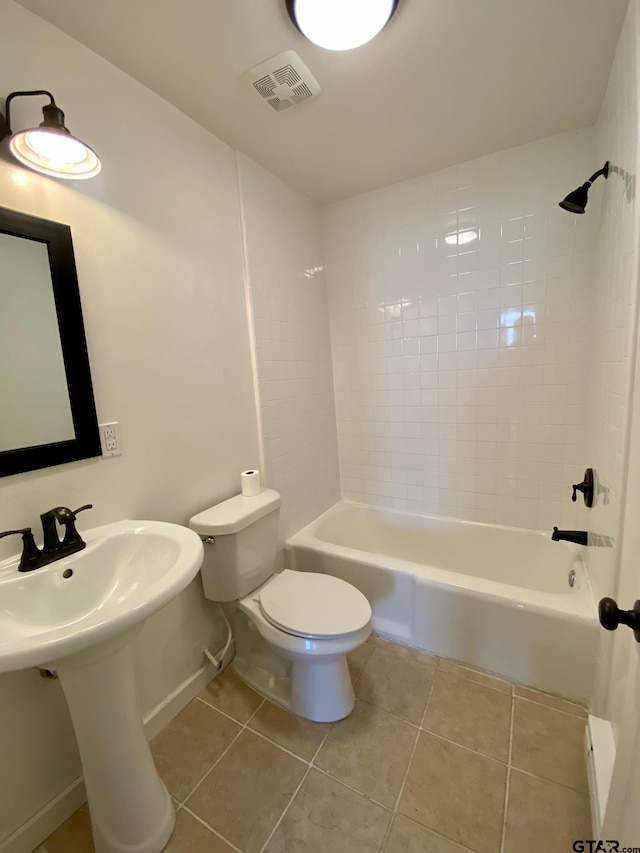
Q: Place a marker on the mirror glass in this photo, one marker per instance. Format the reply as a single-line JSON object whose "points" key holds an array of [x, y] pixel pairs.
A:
{"points": [[47, 410], [32, 375]]}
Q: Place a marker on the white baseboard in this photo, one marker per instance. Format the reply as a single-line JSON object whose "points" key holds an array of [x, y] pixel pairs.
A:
{"points": [[601, 754], [33, 832]]}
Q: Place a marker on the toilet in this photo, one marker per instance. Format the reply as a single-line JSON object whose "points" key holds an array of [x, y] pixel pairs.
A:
{"points": [[293, 630]]}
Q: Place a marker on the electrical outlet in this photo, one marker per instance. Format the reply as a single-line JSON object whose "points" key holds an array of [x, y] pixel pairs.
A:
{"points": [[110, 439]]}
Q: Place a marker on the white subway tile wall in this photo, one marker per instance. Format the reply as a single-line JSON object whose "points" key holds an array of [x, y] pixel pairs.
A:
{"points": [[460, 310], [292, 345]]}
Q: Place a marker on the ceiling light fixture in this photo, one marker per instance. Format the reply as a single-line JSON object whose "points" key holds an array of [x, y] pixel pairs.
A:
{"points": [[340, 24], [576, 201], [49, 148]]}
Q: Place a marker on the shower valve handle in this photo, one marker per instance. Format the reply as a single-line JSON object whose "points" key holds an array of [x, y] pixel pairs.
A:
{"points": [[611, 616], [586, 487]]}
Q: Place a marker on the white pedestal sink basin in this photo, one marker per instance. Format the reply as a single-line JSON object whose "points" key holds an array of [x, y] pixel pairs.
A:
{"points": [[79, 616]]}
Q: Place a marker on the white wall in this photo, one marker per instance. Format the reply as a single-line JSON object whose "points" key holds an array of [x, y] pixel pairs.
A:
{"points": [[613, 349], [159, 253], [461, 370], [292, 346]]}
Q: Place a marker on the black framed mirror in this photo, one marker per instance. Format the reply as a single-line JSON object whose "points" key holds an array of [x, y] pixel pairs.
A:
{"points": [[47, 408]]}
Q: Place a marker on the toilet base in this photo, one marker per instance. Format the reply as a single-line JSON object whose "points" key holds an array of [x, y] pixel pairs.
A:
{"points": [[321, 692]]}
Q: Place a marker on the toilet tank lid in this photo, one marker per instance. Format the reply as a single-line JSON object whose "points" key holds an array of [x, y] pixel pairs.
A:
{"points": [[234, 514]]}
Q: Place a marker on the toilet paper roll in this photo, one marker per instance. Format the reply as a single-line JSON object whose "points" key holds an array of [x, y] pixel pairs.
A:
{"points": [[250, 482]]}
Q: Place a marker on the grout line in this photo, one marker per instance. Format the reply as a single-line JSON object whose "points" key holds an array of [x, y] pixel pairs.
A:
{"points": [[212, 830], [351, 788], [322, 743], [225, 751], [503, 839], [409, 763], [228, 716], [428, 829], [280, 746], [281, 818], [528, 773], [390, 714], [550, 708], [463, 746]]}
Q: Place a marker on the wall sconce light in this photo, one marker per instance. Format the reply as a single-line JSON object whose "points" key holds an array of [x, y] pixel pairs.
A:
{"points": [[49, 148], [576, 201], [340, 24]]}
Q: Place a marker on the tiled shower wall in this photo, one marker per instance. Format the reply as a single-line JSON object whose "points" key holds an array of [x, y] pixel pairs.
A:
{"points": [[283, 249], [460, 305]]}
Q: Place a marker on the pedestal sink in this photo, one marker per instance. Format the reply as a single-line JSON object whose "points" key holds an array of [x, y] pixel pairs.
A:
{"points": [[79, 616]]}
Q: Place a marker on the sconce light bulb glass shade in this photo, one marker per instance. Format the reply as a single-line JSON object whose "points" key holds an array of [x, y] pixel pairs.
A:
{"points": [[55, 152], [341, 24]]}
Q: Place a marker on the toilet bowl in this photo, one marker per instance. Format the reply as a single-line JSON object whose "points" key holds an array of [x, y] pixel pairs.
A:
{"points": [[293, 630], [313, 621]]}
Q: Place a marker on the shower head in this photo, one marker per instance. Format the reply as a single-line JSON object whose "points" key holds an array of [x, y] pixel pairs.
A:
{"points": [[576, 201]]}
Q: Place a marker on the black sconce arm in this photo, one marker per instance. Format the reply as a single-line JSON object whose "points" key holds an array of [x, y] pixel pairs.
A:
{"points": [[5, 121]]}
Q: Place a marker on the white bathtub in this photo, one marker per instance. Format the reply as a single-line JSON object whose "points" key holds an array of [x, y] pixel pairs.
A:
{"points": [[494, 597]]}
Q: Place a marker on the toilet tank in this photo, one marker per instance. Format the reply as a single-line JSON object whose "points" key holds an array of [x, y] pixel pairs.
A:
{"points": [[240, 538]]}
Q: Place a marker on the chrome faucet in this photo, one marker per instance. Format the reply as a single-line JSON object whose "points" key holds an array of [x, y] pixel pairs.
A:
{"points": [[52, 547]]}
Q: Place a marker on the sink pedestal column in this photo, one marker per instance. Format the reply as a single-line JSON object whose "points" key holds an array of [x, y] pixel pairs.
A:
{"points": [[131, 811]]}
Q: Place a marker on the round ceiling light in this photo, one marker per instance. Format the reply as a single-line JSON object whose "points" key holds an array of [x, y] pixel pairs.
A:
{"points": [[340, 24]]}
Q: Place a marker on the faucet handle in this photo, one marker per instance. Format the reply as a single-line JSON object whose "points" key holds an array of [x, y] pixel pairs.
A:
{"points": [[71, 536], [30, 551], [82, 508], [25, 530]]}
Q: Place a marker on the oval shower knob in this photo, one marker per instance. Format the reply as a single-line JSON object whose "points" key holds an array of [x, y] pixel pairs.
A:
{"points": [[611, 616]]}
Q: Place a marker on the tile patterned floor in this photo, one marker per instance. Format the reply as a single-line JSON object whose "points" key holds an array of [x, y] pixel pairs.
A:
{"points": [[435, 758]]}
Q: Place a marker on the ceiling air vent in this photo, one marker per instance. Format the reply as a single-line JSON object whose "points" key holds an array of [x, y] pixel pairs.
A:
{"points": [[283, 81]]}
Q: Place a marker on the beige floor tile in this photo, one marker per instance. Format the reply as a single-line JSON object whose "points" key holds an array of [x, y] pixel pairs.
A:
{"points": [[552, 701], [473, 674], [357, 660], [397, 681], [74, 836], [407, 652], [456, 793], [302, 737], [190, 836], [370, 751], [246, 792], [408, 837], [470, 714], [230, 694], [544, 816], [190, 745], [326, 817], [549, 744]]}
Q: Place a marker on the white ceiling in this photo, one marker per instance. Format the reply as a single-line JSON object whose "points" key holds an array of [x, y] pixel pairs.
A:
{"points": [[446, 81]]}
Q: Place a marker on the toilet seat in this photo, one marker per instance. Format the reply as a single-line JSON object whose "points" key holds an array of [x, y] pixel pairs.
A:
{"points": [[308, 604]]}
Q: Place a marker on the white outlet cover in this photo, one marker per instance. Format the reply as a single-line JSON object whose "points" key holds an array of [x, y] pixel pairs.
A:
{"points": [[110, 439]]}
